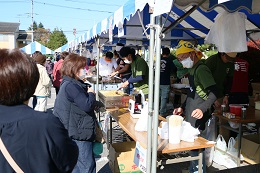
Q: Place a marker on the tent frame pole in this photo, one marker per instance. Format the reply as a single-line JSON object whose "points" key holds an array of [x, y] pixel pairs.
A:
{"points": [[97, 68], [156, 95], [150, 95]]}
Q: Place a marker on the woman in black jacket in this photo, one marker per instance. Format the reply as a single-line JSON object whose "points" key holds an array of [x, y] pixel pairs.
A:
{"points": [[74, 105], [37, 141]]}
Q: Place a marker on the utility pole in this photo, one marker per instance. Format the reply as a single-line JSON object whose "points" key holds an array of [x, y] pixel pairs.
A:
{"points": [[32, 20]]}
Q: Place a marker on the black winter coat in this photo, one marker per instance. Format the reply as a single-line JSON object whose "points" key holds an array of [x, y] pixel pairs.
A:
{"points": [[37, 141], [75, 108]]}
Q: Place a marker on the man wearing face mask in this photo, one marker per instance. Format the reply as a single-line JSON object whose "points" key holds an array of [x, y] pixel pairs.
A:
{"points": [[139, 68], [123, 69], [221, 66], [202, 92]]}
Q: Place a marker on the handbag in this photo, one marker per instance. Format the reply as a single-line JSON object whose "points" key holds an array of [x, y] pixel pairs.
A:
{"points": [[9, 158], [99, 134]]}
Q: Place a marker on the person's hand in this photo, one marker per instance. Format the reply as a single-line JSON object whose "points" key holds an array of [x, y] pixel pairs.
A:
{"points": [[217, 104], [125, 84], [177, 111], [113, 74], [91, 90], [225, 100], [197, 113]]}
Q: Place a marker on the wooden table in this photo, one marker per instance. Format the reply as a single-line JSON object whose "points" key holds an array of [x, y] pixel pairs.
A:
{"points": [[252, 116], [127, 123]]}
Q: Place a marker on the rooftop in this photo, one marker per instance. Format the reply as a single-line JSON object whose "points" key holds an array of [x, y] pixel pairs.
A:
{"points": [[8, 27]]}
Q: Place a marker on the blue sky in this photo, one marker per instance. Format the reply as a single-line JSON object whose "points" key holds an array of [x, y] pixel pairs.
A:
{"points": [[62, 14]]}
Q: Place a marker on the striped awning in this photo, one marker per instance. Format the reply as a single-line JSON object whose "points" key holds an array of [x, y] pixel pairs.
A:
{"points": [[35, 46], [194, 27], [65, 47]]}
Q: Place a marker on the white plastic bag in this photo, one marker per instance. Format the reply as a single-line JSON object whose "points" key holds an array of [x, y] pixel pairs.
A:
{"points": [[220, 156], [232, 150], [228, 32], [211, 136], [188, 133], [141, 124]]}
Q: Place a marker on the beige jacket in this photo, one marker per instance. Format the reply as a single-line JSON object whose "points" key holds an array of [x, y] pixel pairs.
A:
{"points": [[44, 84]]}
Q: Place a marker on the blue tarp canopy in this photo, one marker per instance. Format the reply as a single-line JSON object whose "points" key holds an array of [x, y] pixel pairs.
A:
{"points": [[35, 46]]}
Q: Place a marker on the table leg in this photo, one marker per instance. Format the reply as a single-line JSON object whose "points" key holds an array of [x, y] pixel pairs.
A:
{"points": [[216, 127], [200, 161], [110, 129], [239, 144]]}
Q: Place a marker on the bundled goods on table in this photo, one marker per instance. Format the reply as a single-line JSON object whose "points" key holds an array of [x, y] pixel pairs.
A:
{"points": [[113, 98]]}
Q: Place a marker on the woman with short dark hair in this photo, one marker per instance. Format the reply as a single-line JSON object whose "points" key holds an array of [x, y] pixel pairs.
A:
{"points": [[74, 105], [37, 141]]}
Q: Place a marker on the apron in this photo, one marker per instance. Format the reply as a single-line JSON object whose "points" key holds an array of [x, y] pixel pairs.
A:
{"points": [[193, 101]]}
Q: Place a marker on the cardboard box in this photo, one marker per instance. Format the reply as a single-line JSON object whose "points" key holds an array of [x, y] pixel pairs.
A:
{"points": [[250, 147], [121, 157], [140, 157], [257, 105]]}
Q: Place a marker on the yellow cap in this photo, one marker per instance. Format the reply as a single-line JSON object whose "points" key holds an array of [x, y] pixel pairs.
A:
{"points": [[186, 47]]}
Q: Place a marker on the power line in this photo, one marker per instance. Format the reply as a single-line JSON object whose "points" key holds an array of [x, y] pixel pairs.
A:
{"points": [[12, 1], [76, 8], [94, 3]]}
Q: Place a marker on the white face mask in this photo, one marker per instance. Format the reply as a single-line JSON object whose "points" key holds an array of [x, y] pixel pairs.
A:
{"points": [[187, 63], [127, 61], [82, 74]]}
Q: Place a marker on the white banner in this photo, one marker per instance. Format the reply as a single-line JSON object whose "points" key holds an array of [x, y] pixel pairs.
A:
{"points": [[121, 31], [110, 32]]}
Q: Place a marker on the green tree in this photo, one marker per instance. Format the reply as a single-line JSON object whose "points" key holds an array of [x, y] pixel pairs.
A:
{"points": [[40, 25], [35, 26], [56, 39]]}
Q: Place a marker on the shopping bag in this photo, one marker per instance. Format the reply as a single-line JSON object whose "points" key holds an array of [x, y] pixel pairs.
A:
{"points": [[99, 134], [232, 150], [210, 134], [220, 156]]}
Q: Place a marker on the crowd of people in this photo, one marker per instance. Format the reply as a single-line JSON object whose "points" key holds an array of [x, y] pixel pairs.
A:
{"points": [[65, 137]]}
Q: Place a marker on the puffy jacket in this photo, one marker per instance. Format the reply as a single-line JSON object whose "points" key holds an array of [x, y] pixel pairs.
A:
{"points": [[75, 108]]}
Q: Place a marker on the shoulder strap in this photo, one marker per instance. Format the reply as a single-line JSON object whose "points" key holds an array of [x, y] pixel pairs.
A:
{"points": [[9, 158]]}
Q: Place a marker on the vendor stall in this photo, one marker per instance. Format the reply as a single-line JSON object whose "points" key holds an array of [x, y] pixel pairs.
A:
{"points": [[128, 123], [186, 17]]}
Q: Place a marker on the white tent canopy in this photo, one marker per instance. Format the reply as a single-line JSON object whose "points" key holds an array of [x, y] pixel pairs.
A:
{"points": [[35, 46]]}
